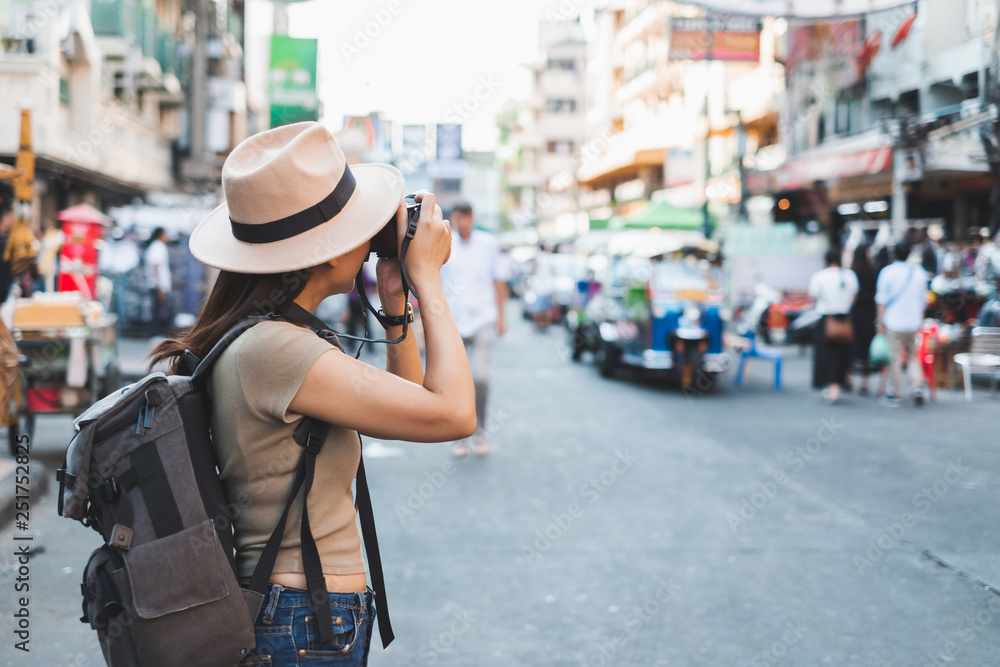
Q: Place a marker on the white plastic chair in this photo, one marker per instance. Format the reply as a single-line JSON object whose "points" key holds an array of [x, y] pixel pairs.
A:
{"points": [[983, 358]]}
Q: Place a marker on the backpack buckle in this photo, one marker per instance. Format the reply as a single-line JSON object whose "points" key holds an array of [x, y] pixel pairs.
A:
{"points": [[121, 537], [313, 447], [111, 491]]}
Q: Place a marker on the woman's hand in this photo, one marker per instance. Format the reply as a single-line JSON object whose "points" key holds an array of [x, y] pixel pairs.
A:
{"points": [[387, 273], [430, 247]]}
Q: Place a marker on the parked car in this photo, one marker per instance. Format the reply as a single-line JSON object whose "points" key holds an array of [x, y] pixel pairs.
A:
{"points": [[664, 315]]}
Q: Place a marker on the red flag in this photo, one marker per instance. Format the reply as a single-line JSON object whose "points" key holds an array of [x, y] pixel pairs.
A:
{"points": [[871, 47], [904, 30]]}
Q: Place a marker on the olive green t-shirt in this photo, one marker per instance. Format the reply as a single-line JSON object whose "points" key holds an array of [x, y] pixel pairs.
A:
{"points": [[252, 384]]}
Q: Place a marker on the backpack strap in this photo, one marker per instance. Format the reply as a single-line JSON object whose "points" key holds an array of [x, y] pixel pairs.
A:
{"points": [[363, 503]]}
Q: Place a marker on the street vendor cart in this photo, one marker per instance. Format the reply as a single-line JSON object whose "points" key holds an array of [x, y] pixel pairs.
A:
{"points": [[68, 357]]}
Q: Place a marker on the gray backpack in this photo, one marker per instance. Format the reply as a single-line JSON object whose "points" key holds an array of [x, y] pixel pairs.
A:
{"points": [[163, 590]]}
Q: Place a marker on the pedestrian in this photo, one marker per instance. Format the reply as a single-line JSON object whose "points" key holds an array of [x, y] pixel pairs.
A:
{"points": [[901, 296], [863, 314], [280, 252], [834, 289], [542, 287], [158, 280], [119, 256], [476, 280], [47, 262]]}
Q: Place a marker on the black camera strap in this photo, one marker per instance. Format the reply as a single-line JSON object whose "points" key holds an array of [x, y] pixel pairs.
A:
{"points": [[296, 313]]}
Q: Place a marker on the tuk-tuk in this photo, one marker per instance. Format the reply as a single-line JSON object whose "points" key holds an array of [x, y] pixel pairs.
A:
{"points": [[664, 313]]}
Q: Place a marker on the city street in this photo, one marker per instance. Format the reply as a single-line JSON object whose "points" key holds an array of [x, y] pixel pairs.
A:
{"points": [[620, 522]]}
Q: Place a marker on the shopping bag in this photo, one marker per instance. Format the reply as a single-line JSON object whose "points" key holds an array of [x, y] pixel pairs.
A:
{"points": [[878, 353]]}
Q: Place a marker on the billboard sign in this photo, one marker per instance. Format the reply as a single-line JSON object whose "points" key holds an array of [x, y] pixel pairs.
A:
{"points": [[449, 141], [715, 38], [293, 80]]}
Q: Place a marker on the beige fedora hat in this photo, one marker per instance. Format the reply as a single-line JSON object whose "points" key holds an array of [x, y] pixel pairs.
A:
{"points": [[293, 202]]}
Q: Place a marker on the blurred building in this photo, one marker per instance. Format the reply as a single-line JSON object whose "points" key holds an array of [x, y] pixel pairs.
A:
{"points": [[882, 119], [127, 97], [676, 98], [481, 188], [547, 132]]}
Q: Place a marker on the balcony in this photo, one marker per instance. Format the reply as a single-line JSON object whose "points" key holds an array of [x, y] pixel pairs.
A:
{"points": [[133, 20], [646, 21]]}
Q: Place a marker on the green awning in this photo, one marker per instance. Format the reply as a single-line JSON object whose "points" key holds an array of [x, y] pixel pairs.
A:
{"points": [[660, 214], [599, 223]]}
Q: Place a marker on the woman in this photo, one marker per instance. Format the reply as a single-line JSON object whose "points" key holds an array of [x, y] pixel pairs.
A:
{"points": [[278, 248], [863, 313], [834, 289]]}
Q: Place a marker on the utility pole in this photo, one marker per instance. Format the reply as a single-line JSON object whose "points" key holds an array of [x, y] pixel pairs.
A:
{"points": [[989, 134], [198, 166], [280, 17], [709, 47]]}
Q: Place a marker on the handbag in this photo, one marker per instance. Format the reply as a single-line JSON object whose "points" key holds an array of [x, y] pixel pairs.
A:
{"points": [[878, 353], [839, 329]]}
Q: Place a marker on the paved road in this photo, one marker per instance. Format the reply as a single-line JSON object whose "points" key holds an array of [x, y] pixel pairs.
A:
{"points": [[620, 522]]}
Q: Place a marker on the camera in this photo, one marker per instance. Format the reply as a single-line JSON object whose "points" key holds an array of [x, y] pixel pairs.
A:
{"points": [[385, 243]]}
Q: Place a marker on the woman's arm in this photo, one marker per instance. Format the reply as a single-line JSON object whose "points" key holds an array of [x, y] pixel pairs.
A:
{"points": [[349, 393]]}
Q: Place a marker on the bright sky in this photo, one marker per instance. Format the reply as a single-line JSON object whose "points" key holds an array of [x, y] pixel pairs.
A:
{"points": [[429, 56]]}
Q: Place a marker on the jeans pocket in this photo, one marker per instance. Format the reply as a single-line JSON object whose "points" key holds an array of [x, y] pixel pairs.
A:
{"points": [[347, 627]]}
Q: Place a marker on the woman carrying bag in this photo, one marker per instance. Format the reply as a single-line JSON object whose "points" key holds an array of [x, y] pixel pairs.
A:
{"points": [[863, 315], [834, 289], [295, 229]]}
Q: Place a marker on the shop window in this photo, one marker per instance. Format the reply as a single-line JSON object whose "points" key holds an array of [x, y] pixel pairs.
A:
{"points": [[848, 117], [559, 147], [562, 65], [560, 105], [909, 103], [970, 85]]}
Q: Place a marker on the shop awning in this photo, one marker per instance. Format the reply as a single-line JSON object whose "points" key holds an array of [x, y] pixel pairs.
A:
{"points": [[803, 173], [625, 153], [800, 8], [662, 215], [84, 213]]}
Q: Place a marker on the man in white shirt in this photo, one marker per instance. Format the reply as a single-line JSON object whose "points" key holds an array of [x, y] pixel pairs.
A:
{"points": [[158, 279], [901, 295], [475, 284], [542, 286]]}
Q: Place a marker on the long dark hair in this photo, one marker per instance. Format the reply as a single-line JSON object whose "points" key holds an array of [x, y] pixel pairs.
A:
{"points": [[234, 297], [154, 236], [862, 266]]}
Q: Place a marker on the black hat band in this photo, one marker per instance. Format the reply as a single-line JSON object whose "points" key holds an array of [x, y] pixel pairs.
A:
{"points": [[300, 222]]}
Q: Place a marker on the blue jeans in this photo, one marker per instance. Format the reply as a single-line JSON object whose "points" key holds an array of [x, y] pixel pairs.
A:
{"points": [[287, 634]]}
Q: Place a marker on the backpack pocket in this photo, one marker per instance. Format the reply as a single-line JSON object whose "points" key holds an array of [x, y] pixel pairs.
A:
{"points": [[177, 572], [173, 601]]}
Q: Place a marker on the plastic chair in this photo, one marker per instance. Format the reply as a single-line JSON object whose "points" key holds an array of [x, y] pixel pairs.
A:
{"points": [[984, 357], [751, 351]]}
